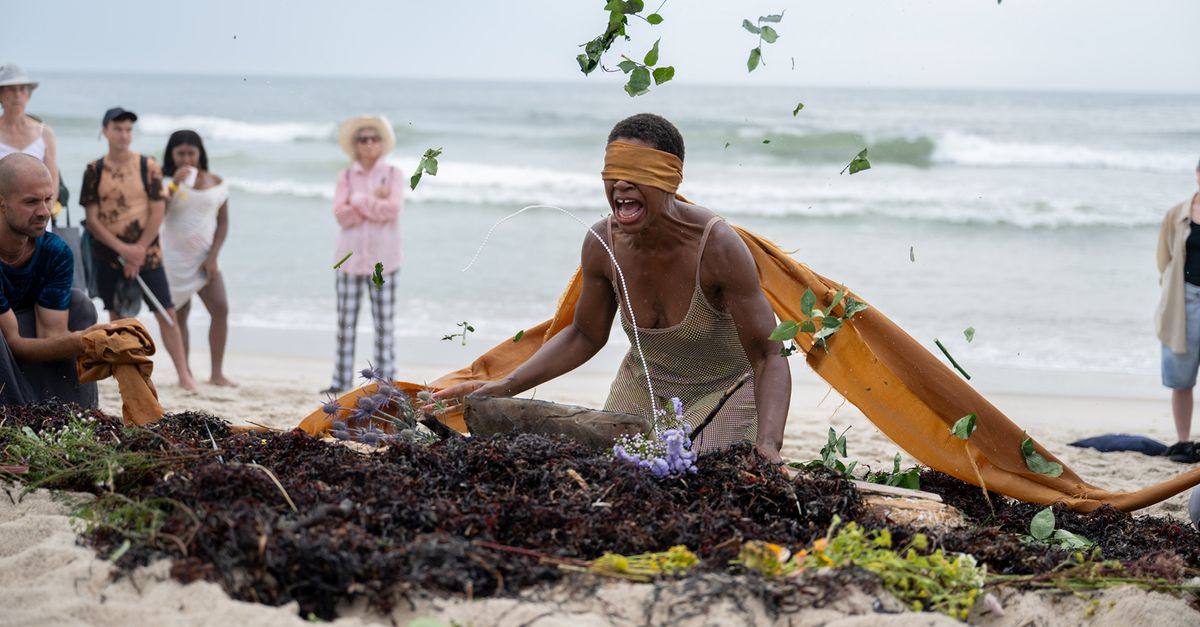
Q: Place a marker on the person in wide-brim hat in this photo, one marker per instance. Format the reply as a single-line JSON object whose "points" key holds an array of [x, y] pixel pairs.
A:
{"points": [[12, 74], [348, 133]]}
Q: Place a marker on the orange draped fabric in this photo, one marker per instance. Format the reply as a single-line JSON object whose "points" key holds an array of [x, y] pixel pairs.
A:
{"points": [[122, 350]]}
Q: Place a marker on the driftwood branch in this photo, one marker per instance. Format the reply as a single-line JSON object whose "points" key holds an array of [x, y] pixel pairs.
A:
{"points": [[721, 403], [487, 416]]}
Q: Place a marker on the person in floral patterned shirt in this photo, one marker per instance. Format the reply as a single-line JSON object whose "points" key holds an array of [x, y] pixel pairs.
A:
{"points": [[123, 195]]}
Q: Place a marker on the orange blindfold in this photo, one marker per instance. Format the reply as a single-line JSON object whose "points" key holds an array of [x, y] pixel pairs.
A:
{"points": [[642, 165]]}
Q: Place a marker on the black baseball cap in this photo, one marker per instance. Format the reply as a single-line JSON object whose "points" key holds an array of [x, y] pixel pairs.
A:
{"points": [[116, 114]]}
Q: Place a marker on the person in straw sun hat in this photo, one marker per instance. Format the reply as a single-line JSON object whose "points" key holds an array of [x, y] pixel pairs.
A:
{"points": [[21, 132], [367, 205]]}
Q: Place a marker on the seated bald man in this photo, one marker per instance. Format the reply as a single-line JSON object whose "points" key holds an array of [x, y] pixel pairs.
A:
{"points": [[42, 319]]}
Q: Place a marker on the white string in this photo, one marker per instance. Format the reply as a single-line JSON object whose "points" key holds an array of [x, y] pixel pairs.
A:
{"points": [[637, 342]]}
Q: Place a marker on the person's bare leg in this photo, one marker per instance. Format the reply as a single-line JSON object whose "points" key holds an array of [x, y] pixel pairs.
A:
{"points": [[217, 302], [181, 316], [1181, 407], [174, 346]]}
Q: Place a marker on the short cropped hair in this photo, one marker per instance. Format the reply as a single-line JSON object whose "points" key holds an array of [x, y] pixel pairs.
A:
{"points": [[652, 129]]}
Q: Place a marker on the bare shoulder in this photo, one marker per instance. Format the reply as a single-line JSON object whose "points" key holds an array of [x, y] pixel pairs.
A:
{"points": [[595, 252], [725, 247]]}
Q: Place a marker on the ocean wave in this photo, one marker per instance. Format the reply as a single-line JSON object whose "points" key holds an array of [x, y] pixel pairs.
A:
{"points": [[225, 129], [957, 148]]}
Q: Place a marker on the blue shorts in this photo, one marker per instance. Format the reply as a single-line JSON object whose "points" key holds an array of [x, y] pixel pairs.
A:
{"points": [[1179, 369]]}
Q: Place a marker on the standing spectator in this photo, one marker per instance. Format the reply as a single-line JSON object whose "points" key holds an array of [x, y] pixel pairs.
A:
{"points": [[367, 206], [42, 320], [123, 195], [194, 230], [20, 132], [1178, 317]]}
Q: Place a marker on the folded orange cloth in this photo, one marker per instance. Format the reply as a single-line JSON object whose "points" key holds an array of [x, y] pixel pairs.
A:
{"points": [[123, 350]]}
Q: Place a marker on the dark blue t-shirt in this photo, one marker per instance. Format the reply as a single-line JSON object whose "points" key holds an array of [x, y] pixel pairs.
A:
{"points": [[45, 280]]}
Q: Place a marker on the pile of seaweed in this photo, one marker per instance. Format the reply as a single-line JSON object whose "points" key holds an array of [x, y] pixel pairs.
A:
{"points": [[281, 517]]}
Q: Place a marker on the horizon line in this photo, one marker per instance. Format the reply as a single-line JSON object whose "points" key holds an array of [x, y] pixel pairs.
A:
{"points": [[560, 81]]}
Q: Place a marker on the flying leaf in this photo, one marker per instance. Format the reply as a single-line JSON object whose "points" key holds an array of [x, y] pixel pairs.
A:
{"points": [[837, 300], [342, 260], [377, 277], [769, 35], [627, 66], [639, 82], [785, 331], [663, 74], [726, 144], [1035, 462], [774, 19], [964, 427], [858, 164], [654, 19], [766, 141], [428, 164], [748, 25], [520, 334], [912, 256], [799, 106], [807, 301], [755, 57], [652, 56], [969, 333]]}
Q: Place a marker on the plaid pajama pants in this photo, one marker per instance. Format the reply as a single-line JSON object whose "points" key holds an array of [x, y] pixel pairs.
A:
{"points": [[383, 308]]}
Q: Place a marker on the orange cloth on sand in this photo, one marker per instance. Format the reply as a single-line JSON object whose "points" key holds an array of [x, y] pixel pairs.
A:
{"points": [[123, 351], [900, 386]]}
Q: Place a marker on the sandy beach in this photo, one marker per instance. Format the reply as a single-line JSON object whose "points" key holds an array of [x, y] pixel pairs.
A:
{"points": [[50, 580]]}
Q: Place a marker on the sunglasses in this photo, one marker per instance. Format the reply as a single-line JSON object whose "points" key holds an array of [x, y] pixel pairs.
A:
{"points": [[369, 139]]}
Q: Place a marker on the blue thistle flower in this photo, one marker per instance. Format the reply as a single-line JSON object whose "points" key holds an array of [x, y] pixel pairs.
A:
{"points": [[331, 407], [369, 373]]}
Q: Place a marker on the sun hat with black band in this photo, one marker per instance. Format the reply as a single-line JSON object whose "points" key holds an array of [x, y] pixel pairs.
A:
{"points": [[117, 114], [12, 74], [348, 132]]}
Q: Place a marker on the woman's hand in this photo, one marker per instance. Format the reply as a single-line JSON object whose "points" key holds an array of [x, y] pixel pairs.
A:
{"points": [[209, 266], [451, 398], [383, 192], [182, 174]]}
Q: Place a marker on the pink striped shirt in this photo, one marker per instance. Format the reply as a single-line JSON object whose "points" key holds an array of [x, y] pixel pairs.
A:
{"points": [[370, 225]]}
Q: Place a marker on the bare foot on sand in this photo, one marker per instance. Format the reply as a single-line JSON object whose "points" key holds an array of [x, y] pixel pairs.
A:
{"points": [[222, 381], [188, 384]]}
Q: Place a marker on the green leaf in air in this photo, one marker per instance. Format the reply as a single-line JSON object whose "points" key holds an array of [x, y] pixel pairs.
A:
{"points": [[1035, 462], [627, 66], [859, 163], [520, 334], [785, 331], [799, 106], [964, 427], [652, 56], [639, 82], [755, 58], [748, 25], [654, 19], [969, 333], [766, 141], [774, 19], [769, 35], [807, 301], [663, 74]]}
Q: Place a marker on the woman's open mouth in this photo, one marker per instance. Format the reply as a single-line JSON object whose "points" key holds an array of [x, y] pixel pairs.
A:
{"points": [[627, 210]]}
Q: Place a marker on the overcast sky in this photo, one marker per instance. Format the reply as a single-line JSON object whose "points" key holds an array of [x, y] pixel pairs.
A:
{"points": [[1106, 45]]}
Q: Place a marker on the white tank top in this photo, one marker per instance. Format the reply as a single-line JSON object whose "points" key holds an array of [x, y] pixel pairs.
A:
{"points": [[37, 149]]}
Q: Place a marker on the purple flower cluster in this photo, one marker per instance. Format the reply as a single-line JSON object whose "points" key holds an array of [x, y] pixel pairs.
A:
{"points": [[676, 458], [368, 420]]}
